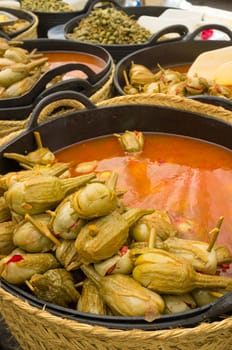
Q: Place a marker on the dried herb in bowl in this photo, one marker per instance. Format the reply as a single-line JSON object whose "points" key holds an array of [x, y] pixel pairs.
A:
{"points": [[47, 6], [110, 26]]}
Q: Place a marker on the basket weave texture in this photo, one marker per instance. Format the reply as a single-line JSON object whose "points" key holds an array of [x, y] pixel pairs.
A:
{"points": [[10, 129], [37, 329], [177, 102]]}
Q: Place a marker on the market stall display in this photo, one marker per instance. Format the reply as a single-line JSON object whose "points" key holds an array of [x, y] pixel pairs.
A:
{"points": [[173, 56], [124, 34], [166, 120], [24, 25], [41, 68], [72, 129], [51, 13]]}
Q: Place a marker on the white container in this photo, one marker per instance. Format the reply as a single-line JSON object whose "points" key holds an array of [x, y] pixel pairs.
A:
{"points": [[9, 3], [77, 5], [154, 2], [192, 20], [183, 4], [169, 3]]}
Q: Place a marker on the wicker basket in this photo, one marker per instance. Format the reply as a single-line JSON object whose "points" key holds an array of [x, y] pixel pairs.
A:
{"points": [[36, 328], [178, 102], [31, 32], [11, 128]]}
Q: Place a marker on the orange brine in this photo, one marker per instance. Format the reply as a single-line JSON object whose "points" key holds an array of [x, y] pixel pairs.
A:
{"points": [[190, 178]]}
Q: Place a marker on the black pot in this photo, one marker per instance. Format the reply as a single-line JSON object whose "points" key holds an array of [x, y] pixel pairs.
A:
{"points": [[120, 51], [175, 54], [21, 14], [48, 20], [20, 107], [93, 122]]}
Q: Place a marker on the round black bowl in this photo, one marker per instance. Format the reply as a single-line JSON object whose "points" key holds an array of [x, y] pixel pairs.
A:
{"points": [[172, 55], [94, 122], [21, 14], [120, 51], [48, 20], [20, 107]]}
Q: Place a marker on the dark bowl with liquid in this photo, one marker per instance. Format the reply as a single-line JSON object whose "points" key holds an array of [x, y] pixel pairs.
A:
{"points": [[99, 121]]}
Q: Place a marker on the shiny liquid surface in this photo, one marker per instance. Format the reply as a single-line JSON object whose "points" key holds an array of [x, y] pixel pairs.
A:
{"points": [[189, 178], [56, 59]]}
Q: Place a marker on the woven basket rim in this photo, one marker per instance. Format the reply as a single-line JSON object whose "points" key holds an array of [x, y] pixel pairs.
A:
{"points": [[172, 101], [31, 32], [9, 129], [103, 92], [43, 314], [118, 336]]}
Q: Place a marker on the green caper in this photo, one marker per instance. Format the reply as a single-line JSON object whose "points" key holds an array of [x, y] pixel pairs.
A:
{"points": [[110, 26], [46, 6]]}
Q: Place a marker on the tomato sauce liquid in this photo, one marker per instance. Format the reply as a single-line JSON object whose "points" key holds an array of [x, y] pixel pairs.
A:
{"points": [[56, 59], [189, 178]]}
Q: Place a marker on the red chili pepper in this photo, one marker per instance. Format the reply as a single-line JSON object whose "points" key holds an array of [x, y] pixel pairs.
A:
{"points": [[74, 225], [111, 269], [225, 266], [15, 258], [123, 250]]}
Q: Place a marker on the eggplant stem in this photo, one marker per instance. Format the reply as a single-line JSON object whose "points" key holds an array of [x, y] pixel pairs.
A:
{"points": [[212, 281], [160, 67], [25, 166], [79, 284], [29, 285], [214, 233], [152, 238], [51, 213], [38, 139], [216, 294], [126, 78], [43, 229], [73, 265]]}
